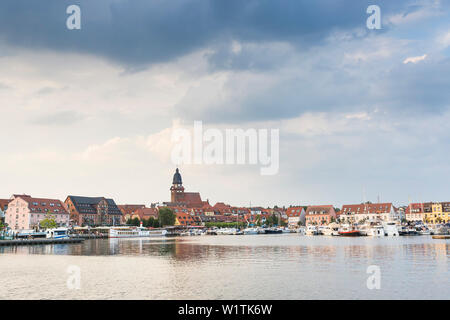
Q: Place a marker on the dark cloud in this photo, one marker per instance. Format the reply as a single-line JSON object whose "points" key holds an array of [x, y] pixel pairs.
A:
{"points": [[141, 32]]}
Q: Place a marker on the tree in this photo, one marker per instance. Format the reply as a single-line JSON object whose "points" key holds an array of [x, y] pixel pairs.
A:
{"points": [[48, 223], [166, 217]]}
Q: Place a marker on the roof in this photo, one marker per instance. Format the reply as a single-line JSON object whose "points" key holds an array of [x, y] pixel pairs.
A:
{"points": [[324, 209], [88, 205], [414, 208], [177, 177], [366, 208], [146, 213], [4, 204], [294, 211], [43, 205], [130, 208]]}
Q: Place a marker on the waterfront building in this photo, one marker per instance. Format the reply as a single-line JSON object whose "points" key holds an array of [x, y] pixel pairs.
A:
{"points": [[93, 211], [25, 212], [369, 212], [437, 212], [145, 213], [295, 215], [185, 219], [128, 210], [3, 207], [415, 212], [320, 215]]}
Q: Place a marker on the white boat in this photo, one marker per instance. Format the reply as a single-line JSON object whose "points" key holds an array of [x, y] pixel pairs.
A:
{"points": [[287, 230], [251, 231], [226, 231], [57, 233], [376, 231], [330, 230], [390, 229], [301, 230], [140, 232], [311, 230]]}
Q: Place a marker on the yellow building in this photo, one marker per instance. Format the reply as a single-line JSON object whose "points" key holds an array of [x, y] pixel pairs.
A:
{"points": [[439, 213]]}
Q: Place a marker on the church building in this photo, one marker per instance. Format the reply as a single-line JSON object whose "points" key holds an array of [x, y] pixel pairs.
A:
{"points": [[178, 197]]}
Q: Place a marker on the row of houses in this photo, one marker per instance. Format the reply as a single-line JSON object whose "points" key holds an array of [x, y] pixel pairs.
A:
{"points": [[26, 212]]}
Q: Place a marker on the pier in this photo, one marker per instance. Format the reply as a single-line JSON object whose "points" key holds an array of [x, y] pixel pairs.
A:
{"points": [[25, 242]]}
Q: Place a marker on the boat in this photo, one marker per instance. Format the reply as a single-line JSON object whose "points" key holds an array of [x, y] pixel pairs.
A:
{"points": [[407, 231], [251, 231], [311, 230], [57, 233], [273, 230], [30, 234], [286, 230], [390, 229], [349, 231], [139, 232], [226, 231], [261, 230], [330, 230], [301, 230], [376, 231]]}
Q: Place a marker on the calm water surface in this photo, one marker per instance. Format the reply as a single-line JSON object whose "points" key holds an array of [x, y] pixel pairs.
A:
{"points": [[286, 266]]}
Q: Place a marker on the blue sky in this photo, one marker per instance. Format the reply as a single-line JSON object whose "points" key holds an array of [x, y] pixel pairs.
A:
{"points": [[91, 111]]}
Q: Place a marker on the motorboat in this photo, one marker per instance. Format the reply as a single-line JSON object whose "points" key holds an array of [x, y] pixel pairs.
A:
{"points": [[390, 229], [311, 230], [349, 231], [251, 231], [273, 230], [376, 231], [330, 230], [57, 233]]}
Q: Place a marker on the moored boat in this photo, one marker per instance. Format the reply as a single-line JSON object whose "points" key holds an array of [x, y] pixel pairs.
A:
{"points": [[349, 231], [251, 231], [139, 232], [311, 230]]}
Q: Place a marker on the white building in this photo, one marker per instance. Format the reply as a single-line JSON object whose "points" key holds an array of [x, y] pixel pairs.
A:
{"points": [[370, 212]]}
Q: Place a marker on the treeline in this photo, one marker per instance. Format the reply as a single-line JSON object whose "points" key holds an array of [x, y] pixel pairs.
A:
{"points": [[166, 217], [147, 223]]}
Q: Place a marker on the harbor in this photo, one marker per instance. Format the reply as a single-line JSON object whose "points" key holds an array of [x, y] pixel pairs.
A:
{"points": [[230, 267]]}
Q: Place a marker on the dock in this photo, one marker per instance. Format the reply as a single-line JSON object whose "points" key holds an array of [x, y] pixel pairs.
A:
{"points": [[442, 236], [27, 242]]}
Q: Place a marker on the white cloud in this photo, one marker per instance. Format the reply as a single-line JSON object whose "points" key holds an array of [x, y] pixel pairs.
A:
{"points": [[415, 59]]}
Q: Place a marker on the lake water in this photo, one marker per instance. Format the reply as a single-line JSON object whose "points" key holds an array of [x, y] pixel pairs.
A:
{"points": [[285, 266]]}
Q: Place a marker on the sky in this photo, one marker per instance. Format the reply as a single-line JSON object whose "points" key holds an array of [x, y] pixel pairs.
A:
{"points": [[363, 114]]}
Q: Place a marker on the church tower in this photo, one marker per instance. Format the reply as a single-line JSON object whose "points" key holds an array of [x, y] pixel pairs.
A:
{"points": [[177, 189]]}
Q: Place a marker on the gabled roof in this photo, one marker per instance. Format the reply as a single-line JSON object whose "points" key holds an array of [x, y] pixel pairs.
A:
{"points": [[43, 205], [323, 209], [130, 208], [366, 208], [294, 211], [88, 205]]}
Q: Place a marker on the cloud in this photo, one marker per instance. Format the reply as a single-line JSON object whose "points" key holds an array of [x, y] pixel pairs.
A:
{"points": [[137, 33], [415, 59], [60, 118]]}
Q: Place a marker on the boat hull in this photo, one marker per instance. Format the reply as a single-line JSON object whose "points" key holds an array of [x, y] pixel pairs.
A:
{"points": [[354, 233]]}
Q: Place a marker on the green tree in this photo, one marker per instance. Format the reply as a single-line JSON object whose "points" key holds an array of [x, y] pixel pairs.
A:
{"points": [[135, 222], [49, 222], [166, 217]]}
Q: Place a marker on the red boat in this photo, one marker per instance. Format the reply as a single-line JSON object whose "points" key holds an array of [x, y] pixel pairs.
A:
{"points": [[351, 233]]}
